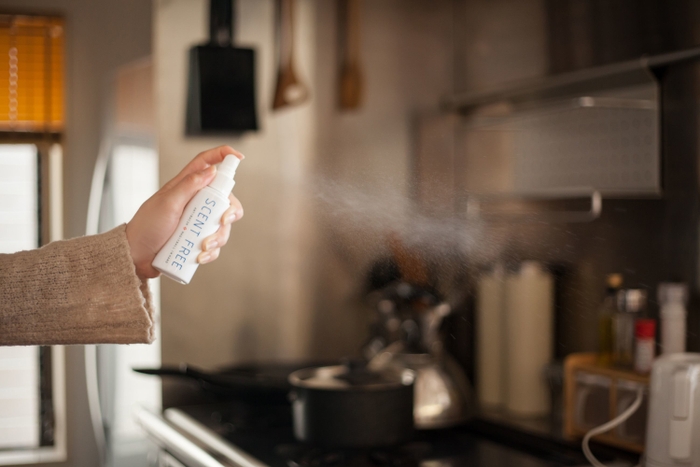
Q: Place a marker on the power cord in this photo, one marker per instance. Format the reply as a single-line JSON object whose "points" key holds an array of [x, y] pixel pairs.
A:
{"points": [[609, 426]]}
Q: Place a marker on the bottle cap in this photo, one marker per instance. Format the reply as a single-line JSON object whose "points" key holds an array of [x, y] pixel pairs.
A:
{"points": [[229, 165], [223, 181], [632, 300], [614, 281], [645, 329], [672, 292]]}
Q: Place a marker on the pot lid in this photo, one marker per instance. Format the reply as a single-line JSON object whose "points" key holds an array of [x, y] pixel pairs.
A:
{"points": [[351, 377]]}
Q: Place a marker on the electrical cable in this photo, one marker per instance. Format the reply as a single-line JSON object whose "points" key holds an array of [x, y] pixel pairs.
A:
{"points": [[609, 426]]}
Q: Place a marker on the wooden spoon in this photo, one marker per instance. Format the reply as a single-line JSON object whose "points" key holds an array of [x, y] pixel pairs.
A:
{"points": [[350, 71], [289, 90]]}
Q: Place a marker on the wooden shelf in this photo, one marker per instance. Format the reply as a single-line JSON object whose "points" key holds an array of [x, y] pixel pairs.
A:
{"points": [[586, 363]]}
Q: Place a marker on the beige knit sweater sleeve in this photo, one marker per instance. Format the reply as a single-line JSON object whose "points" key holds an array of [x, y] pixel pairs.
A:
{"points": [[79, 291]]}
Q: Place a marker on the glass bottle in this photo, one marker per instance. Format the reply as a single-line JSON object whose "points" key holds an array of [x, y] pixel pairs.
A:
{"points": [[631, 303], [605, 318]]}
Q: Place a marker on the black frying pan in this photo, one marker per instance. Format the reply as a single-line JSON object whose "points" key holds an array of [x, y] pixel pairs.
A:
{"points": [[267, 382]]}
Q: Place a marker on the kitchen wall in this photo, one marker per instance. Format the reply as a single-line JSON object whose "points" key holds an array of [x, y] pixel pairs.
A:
{"points": [[250, 303], [647, 240], [101, 36], [289, 282], [365, 158], [323, 188]]}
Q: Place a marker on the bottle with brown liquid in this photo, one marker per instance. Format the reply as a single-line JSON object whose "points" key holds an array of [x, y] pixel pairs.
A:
{"points": [[631, 304], [605, 319]]}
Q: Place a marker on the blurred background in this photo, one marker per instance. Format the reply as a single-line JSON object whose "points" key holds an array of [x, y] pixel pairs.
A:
{"points": [[438, 142]]}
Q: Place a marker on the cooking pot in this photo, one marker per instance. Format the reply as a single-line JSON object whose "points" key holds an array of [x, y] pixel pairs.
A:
{"points": [[352, 406]]}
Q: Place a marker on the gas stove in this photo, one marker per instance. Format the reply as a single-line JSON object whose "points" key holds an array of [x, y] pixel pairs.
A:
{"points": [[244, 434]]}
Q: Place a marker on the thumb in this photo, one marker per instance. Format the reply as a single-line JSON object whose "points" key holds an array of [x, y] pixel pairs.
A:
{"points": [[184, 191]]}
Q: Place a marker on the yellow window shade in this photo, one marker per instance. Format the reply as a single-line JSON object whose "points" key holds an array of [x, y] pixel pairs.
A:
{"points": [[31, 73]]}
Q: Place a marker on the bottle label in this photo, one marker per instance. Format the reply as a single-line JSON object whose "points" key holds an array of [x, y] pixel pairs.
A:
{"points": [[644, 355], [201, 218]]}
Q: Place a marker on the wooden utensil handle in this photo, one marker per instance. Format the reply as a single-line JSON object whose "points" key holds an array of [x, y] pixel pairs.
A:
{"points": [[286, 31], [352, 30]]}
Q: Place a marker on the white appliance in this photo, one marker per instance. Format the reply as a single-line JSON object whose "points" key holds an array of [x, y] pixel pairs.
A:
{"points": [[673, 426], [125, 175]]}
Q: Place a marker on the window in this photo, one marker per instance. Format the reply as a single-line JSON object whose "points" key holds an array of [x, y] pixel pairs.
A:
{"points": [[19, 197], [31, 73], [32, 422], [19, 366], [32, 400]]}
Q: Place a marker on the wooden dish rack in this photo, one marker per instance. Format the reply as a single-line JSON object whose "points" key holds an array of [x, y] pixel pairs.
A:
{"points": [[582, 376]]}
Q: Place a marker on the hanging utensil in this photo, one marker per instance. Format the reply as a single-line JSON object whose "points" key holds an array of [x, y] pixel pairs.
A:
{"points": [[350, 72], [289, 89], [221, 82]]}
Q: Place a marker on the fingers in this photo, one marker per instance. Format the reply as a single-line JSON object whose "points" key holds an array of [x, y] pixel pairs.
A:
{"points": [[234, 212], [181, 193], [211, 245], [218, 239], [202, 161], [208, 256]]}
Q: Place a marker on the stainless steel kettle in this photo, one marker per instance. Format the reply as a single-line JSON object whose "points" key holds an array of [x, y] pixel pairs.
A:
{"points": [[673, 426], [442, 393]]}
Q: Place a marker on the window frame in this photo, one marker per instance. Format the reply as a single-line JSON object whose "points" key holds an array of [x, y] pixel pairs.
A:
{"points": [[50, 159]]}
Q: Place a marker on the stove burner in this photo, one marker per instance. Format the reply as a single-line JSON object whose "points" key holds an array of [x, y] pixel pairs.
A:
{"points": [[299, 455]]}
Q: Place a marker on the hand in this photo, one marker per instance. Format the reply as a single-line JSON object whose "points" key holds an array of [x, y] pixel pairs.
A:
{"points": [[157, 218]]}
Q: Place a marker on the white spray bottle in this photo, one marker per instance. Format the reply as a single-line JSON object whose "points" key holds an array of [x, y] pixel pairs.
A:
{"points": [[201, 218]]}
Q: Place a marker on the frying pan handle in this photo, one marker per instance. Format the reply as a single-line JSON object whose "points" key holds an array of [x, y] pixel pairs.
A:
{"points": [[182, 370]]}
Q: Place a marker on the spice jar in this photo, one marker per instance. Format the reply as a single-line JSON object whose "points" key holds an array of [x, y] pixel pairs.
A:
{"points": [[645, 345]]}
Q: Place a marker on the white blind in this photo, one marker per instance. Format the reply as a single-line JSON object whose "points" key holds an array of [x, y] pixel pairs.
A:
{"points": [[19, 230]]}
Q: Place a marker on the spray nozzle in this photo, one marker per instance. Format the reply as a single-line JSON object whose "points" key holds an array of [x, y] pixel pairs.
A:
{"points": [[229, 165], [224, 174]]}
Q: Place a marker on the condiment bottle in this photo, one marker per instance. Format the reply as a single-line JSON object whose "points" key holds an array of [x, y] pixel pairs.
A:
{"points": [[606, 312], [529, 319], [630, 305], [672, 298], [645, 345]]}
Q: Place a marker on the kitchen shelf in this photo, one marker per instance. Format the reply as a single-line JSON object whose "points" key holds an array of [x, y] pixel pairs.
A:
{"points": [[577, 82]]}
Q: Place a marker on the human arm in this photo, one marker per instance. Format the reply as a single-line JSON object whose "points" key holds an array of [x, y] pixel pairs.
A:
{"points": [[94, 289]]}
